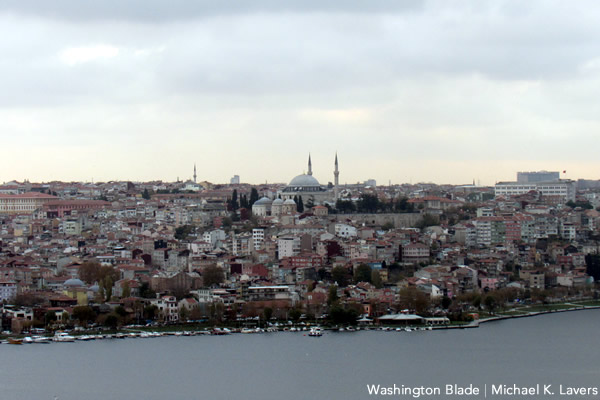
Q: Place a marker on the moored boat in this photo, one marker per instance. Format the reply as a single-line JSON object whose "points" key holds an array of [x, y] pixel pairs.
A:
{"points": [[63, 337], [315, 331]]}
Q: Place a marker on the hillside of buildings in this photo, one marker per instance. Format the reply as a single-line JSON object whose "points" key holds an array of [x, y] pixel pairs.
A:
{"points": [[120, 252]]}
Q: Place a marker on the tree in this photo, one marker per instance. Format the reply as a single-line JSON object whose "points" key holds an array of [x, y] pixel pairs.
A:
{"points": [[490, 302], [295, 314], [89, 272], [253, 196], [183, 232], [387, 226], [368, 203], [267, 313], [234, 200], [412, 298], [111, 321], [106, 287], [126, 290], [427, 220], [146, 194], [150, 312], [212, 275], [362, 273], [146, 292], [120, 311], [300, 205], [243, 201], [345, 206], [340, 275], [376, 279], [332, 296], [50, 317], [183, 314], [446, 302], [83, 314]]}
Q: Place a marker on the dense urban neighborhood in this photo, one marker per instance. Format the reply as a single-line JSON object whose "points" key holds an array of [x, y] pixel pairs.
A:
{"points": [[110, 254]]}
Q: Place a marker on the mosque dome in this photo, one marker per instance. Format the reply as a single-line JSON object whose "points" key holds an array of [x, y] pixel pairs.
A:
{"points": [[262, 201], [290, 202], [74, 283], [277, 202], [304, 180]]}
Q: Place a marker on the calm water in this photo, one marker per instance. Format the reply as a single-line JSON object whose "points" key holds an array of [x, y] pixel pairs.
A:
{"points": [[550, 349]]}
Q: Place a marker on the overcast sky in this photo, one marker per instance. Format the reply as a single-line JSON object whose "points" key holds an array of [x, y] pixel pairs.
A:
{"points": [[405, 91]]}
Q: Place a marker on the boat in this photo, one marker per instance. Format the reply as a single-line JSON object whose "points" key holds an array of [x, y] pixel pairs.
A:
{"points": [[40, 339], [315, 331], [63, 337], [15, 341]]}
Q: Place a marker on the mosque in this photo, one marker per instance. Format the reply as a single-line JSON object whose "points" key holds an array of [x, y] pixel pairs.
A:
{"points": [[305, 186]]}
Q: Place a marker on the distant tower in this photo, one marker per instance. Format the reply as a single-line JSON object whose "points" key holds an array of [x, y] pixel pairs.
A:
{"points": [[194, 172], [309, 165], [336, 174]]}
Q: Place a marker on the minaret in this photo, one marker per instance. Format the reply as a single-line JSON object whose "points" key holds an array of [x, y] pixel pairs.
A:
{"points": [[194, 172], [309, 165], [336, 175]]}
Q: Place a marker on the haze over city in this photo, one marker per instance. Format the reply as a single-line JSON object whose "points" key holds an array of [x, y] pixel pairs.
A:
{"points": [[438, 91]]}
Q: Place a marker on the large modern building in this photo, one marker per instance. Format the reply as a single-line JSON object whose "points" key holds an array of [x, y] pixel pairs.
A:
{"points": [[538, 176], [563, 189]]}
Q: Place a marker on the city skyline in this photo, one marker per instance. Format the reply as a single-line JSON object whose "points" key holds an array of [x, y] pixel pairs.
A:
{"points": [[422, 91]]}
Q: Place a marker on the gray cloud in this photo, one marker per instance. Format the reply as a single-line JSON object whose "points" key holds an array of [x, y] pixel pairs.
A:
{"points": [[161, 11]]}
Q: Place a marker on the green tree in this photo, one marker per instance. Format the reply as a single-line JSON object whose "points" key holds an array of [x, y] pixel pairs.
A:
{"points": [[234, 200], [146, 292], [332, 296], [83, 314], [295, 314], [300, 205], [253, 196], [267, 313], [340, 275], [376, 279], [120, 311], [50, 317], [183, 314], [243, 201], [111, 321], [146, 194], [368, 203], [490, 302], [362, 273], [150, 312], [427, 220], [446, 302], [126, 290], [182, 232], [345, 206], [106, 286]]}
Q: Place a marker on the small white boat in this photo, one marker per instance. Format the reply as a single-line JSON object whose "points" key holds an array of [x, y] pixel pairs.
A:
{"points": [[63, 337], [40, 339], [315, 331]]}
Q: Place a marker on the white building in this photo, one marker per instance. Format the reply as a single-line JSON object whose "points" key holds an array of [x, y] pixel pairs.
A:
{"points": [[345, 231], [288, 246], [258, 236], [8, 290], [564, 188]]}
